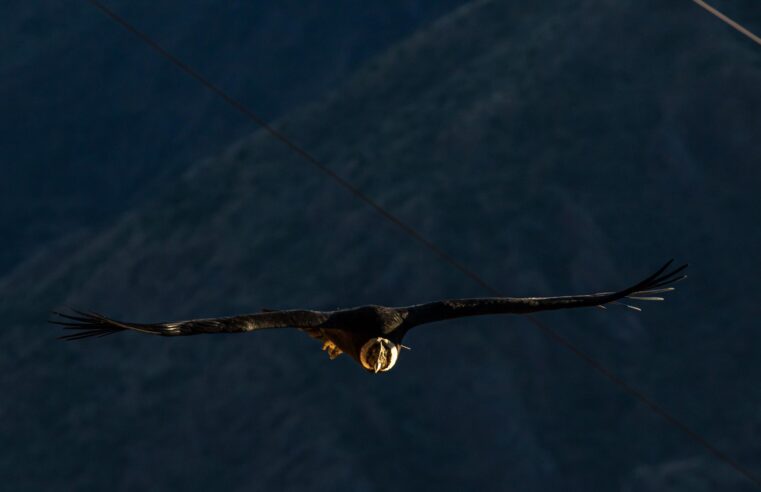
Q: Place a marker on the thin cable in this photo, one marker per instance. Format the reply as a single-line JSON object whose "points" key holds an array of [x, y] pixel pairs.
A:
{"points": [[729, 21], [288, 143], [652, 405], [588, 359]]}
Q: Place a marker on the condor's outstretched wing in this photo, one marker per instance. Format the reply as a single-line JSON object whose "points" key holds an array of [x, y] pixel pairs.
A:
{"points": [[88, 324], [646, 290]]}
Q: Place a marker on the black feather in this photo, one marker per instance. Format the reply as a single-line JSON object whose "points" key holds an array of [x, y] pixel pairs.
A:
{"points": [[90, 324]]}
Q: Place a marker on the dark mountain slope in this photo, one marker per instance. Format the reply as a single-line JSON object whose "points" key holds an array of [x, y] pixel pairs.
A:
{"points": [[89, 115], [553, 148]]}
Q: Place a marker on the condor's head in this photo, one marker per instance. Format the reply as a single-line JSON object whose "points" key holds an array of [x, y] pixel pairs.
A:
{"points": [[379, 355]]}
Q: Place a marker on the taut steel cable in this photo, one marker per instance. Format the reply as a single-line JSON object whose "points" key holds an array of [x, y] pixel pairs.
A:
{"points": [[443, 255]]}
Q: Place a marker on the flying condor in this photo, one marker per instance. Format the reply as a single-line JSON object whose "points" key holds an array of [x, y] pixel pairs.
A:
{"points": [[371, 335]]}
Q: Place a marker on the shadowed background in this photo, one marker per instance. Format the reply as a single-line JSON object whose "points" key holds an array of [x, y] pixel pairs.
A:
{"points": [[553, 148]]}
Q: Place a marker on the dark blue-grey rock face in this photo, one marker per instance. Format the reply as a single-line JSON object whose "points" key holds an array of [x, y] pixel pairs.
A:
{"points": [[90, 115], [553, 148]]}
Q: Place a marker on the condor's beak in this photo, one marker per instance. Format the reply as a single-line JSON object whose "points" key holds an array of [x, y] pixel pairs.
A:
{"points": [[377, 367], [381, 357]]}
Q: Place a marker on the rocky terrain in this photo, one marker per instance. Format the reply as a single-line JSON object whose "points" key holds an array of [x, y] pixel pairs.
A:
{"points": [[553, 147], [92, 121]]}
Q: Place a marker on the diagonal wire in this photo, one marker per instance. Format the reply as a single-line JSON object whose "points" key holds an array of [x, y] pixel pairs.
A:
{"points": [[288, 143], [443, 255], [729, 22]]}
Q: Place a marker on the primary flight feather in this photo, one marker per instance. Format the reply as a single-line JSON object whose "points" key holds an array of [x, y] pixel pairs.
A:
{"points": [[372, 335]]}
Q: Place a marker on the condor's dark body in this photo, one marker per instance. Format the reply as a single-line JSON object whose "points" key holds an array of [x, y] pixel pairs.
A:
{"points": [[348, 330]]}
